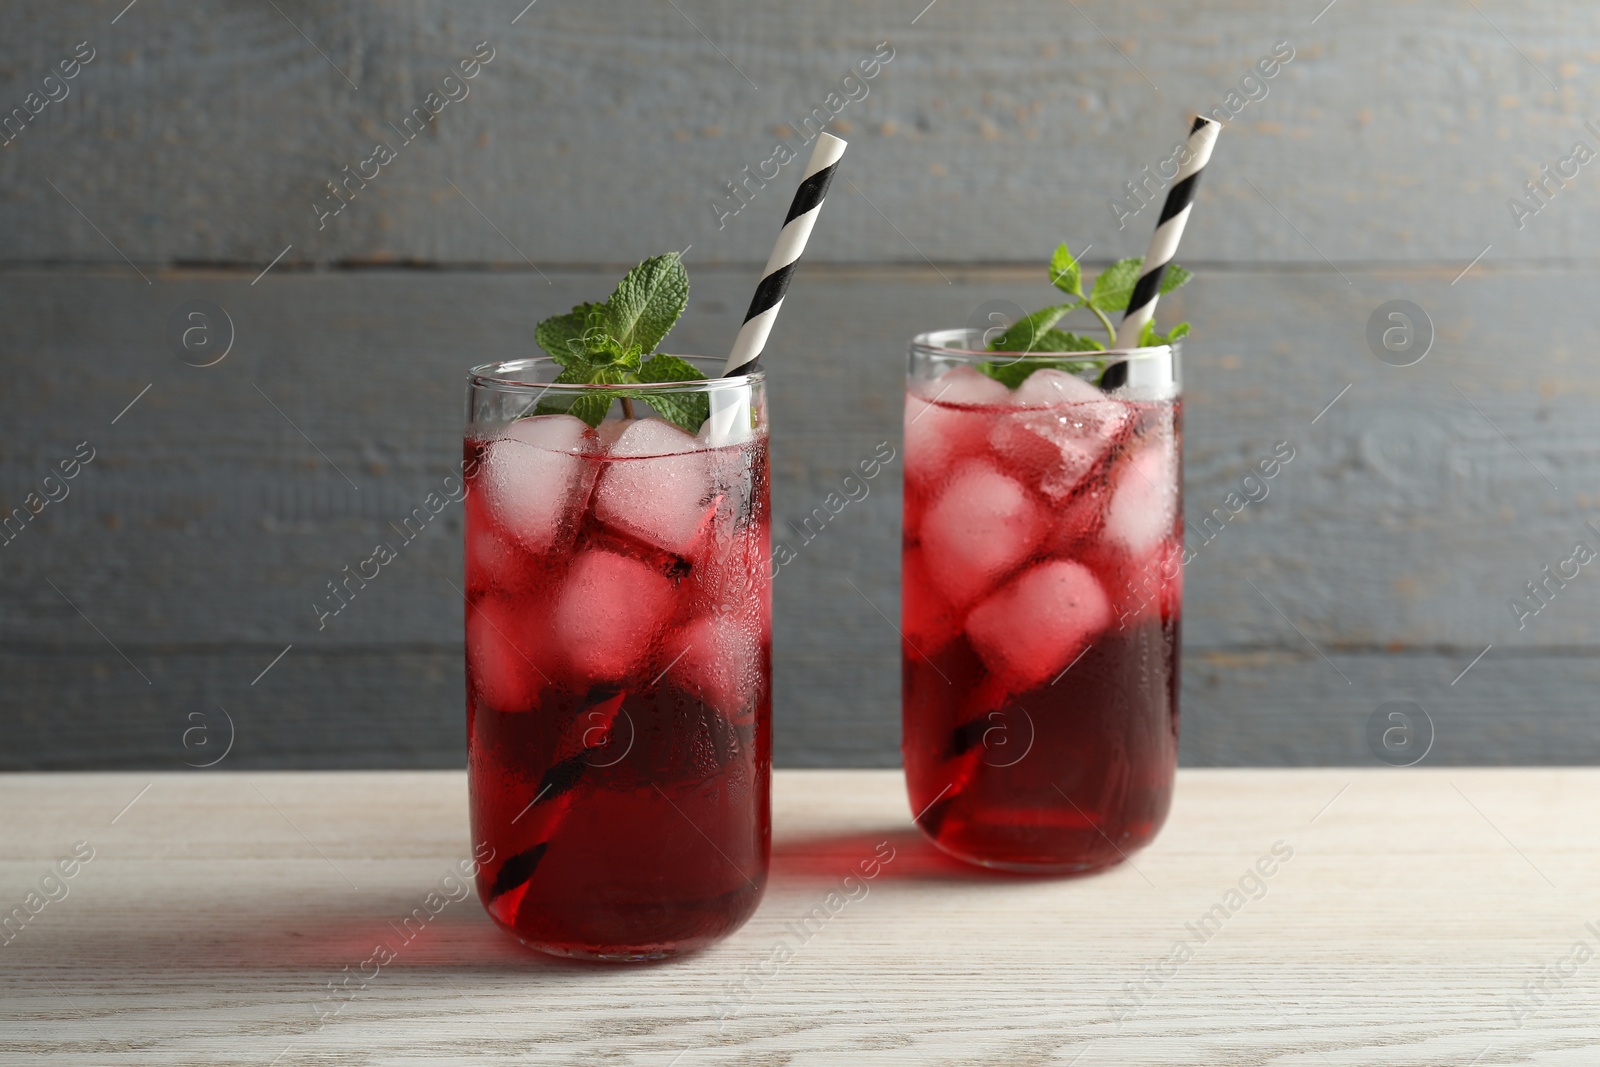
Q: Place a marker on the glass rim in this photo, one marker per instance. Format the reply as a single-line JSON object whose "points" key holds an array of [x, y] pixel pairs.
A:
{"points": [[938, 342], [506, 374]]}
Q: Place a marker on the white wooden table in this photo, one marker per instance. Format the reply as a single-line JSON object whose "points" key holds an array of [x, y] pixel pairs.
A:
{"points": [[217, 909]]}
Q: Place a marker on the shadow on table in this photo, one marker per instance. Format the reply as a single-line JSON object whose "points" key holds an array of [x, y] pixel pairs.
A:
{"points": [[318, 936], [911, 857], [305, 943]]}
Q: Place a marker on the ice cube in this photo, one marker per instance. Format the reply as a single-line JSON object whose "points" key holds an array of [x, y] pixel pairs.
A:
{"points": [[1062, 443], [609, 430], [509, 651], [658, 487], [962, 387], [982, 524], [534, 477], [948, 419], [1075, 523], [1038, 623], [1048, 386], [721, 663], [927, 620], [609, 611], [490, 560], [651, 437], [1144, 496]]}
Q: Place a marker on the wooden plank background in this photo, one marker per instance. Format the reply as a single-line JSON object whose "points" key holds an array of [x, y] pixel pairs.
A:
{"points": [[189, 151]]}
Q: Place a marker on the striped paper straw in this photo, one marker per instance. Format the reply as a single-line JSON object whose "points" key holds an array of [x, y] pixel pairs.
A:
{"points": [[1169, 230], [780, 265], [730, 408]]}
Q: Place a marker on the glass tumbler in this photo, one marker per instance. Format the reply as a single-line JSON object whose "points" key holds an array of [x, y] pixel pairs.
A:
{"points": [[618, 645], [1041, 592]]}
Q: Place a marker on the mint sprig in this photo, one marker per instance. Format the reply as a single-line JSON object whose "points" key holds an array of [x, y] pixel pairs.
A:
{"points": [[1107, 295], [604, 344]]}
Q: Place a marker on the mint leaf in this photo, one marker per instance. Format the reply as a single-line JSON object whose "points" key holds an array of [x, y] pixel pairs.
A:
{"points": [[1064, 274], [562, 336], [1014, 372], [648, 301], [1148, 336], [688, 410], [1063, 341], [1011, 374], [576, 373], [1174, 277], [1115, 284], [590, 407], [1025, 334], [606, 351], [664, 368]]}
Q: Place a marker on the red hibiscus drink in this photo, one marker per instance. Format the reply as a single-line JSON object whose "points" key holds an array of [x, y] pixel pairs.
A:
{"points": [[1042, 583], [618, 628]]}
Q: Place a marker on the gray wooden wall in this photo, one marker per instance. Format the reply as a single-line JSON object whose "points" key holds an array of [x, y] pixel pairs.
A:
{"points": [[189, 152]]}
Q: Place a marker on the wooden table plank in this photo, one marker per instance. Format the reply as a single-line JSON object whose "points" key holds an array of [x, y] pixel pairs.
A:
{"points": [[1414, 906]]}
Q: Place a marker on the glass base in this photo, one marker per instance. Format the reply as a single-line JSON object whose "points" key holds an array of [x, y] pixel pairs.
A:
{"points": [[1043, 867], [639, 955], [710, 921]]}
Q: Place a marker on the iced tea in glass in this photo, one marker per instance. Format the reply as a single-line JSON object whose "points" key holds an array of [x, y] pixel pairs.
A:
{"points": [[1041, 592], [618, 638]]}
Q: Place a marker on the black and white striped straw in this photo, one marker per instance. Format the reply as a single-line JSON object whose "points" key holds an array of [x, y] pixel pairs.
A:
{"points": [[780, 265], [1169, 230]]}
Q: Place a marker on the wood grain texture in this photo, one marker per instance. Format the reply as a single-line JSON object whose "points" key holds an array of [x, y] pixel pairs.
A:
{"points": [[1400, 930], [188, 553], [602, 132], [207, 524]]}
